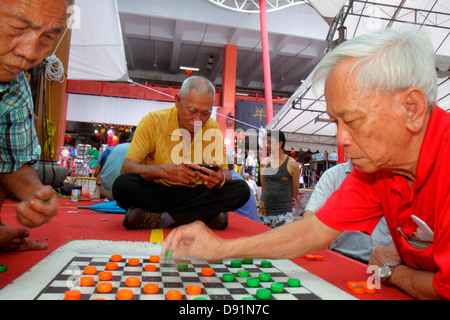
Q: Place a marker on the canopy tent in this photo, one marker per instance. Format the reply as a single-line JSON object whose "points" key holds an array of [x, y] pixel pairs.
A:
{"points": [[96, 49], [303, 118]]}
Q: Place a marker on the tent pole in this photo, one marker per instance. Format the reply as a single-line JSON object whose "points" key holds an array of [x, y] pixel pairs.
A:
{"points": [[266, 61]]}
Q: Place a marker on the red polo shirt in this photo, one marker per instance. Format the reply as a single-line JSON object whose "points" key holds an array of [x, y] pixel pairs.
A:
{"points": [[363, 198]]}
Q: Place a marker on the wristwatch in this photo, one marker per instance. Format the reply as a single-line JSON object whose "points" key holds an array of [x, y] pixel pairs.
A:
{"points": [[385, 272]]}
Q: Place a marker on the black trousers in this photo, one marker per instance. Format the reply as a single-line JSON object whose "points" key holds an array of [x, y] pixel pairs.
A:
{"points": [[183, 204]]}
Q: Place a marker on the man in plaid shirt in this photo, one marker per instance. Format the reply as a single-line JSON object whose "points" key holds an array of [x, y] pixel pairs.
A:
{"points": [[28, 29]]}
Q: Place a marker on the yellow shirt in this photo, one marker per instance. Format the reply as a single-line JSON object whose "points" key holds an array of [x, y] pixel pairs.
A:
{"points": [[159, 140]]}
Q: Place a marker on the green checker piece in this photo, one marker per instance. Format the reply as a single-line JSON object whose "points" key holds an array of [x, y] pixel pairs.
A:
{"points": [[3, 268], [277, 287], [242, 273], [253, 282], [292, 282], [182, 266], [200, 298], [236, 263], [248, 261], [249, 298], [265, 277], [266, 264], [228, 277], [263, 294], [169, 253]]}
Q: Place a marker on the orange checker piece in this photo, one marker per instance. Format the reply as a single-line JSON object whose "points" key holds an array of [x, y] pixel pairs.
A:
{"points": [[361, 287], [116, 258], [351, 284], [193, 290], [368, 287], [207, 272], [154, 259], [174, 295], [72, 295], [358, 290], [371, 289], [104, 287], [104, 276], [133, 282], [111, 266], [133, 262], [124, 294], [86, 281], [151, 288], [90, 270], [311, 257], [150, 267]]}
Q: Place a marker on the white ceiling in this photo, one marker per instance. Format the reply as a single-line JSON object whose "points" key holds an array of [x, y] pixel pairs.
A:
{"points": [[162, 35]]}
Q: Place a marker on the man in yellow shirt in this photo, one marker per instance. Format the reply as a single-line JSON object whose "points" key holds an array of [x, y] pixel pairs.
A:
{"points": [[162, 183]]}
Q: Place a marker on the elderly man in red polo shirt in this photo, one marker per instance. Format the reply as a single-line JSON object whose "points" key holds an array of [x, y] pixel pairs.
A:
{"points": [[380, 90]]}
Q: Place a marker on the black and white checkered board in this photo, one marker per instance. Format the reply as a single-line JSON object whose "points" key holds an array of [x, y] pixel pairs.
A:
{"points": [[52, 285]]}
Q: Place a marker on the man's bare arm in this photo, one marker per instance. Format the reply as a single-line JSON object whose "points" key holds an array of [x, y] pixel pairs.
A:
{"points": [[288, 241], [416, 283]]}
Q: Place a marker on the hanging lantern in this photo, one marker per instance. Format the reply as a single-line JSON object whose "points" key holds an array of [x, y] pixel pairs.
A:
{"points": [[68, 138], [241, 136], [188, 72], [292, 153]]}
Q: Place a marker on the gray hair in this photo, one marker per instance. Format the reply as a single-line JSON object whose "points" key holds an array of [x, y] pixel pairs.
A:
{"points": [[200, 84], [388, 60]]}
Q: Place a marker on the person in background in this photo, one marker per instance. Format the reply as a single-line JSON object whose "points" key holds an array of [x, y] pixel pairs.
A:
{"points": [[356, 245], [112, 165], [238, 161], [249, 208], [279, 183], [252, 184], [93, 154]]}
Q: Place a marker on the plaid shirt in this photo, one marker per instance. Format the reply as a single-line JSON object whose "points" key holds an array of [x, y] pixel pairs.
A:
{"points": [[19, 144]]}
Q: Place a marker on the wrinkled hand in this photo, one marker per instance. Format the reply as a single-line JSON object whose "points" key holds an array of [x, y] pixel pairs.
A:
{"points": [[382, 255], [211, 178], [38, 209], [178, 172], [193, 240]]}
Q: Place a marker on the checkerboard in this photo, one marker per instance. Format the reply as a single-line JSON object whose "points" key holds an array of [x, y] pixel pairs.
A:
{"points": [[61, 271]]}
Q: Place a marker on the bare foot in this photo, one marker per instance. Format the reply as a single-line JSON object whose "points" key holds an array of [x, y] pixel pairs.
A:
{"points": [[16, 238]]}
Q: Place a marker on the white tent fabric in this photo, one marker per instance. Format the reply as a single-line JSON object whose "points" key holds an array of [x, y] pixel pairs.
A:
{"points": [[86, 108], [96, 50]]}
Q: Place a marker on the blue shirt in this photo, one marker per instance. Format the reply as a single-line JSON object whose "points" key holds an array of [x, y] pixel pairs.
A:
{"points": [[354, 244], [113, 164], [249, 208]]}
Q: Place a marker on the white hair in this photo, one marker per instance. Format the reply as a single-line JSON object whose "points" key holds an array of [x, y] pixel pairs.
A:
{"points": [[388, 60], [200, 84]]}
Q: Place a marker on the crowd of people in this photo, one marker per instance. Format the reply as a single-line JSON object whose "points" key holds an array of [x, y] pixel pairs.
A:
{"points": [[380, 90]]}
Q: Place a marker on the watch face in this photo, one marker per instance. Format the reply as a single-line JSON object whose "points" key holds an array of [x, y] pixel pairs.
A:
{"points": [[385, 271]]}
